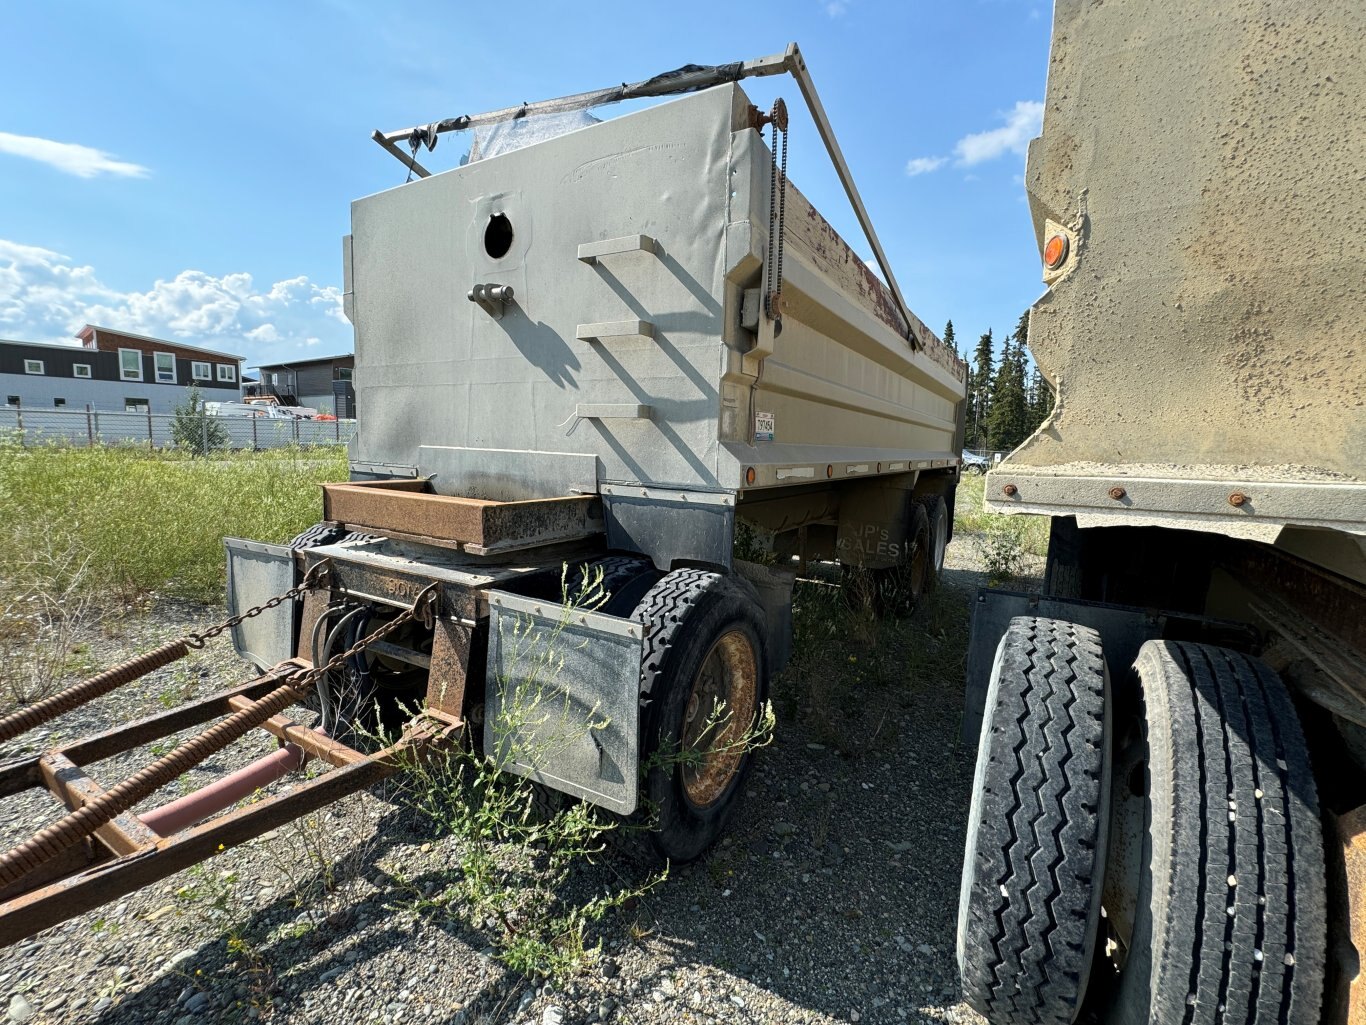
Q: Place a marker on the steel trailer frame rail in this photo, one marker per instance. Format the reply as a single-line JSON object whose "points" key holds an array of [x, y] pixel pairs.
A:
{"points": [[125, 854], [689, 78]]}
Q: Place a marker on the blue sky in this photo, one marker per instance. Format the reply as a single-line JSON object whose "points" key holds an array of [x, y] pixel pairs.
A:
{"points": [[185, 170]]}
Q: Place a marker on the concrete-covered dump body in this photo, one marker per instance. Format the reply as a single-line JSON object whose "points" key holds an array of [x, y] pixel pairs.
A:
{"points": [[1205, 334], [622, 359]]}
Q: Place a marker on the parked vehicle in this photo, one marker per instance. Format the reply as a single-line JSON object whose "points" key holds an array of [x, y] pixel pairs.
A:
{"points": [[974, 464], [1169, 817], [576, 394]]}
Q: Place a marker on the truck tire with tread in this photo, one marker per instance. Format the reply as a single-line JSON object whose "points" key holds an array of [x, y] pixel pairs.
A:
{"points": [[937, 514], [625, 578], [1029, 907], [1230, 923], [688, 614]]}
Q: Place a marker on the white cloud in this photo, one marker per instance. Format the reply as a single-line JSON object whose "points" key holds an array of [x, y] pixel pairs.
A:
{"points": [[924, 165], [70, 157], [835, 8], [45, 298], [1022, 124]]}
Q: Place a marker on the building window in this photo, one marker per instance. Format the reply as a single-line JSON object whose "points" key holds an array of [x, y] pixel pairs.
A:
{"points": [[344, 373], [201, 371], [227, 372], [81, 370], [33, 366], [136, 406], [59, 402], [130, 364], [165, 367], [12, 400]]}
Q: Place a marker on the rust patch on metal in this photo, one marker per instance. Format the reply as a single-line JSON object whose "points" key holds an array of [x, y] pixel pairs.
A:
{"points": [[84, 876], [815, 237], [1351, 829], [452, 519], [451, 646], [310, 742], [315, 607], [124, 834]]}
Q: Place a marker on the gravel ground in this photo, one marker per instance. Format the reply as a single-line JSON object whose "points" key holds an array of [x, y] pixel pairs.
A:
{"points": [[831, 899]]}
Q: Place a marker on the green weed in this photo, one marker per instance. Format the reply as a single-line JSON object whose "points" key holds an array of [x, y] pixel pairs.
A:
{"points": [[520, 848]]}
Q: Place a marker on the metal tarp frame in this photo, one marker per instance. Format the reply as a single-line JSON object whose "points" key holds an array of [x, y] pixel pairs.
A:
{"points": [[689, 78]]}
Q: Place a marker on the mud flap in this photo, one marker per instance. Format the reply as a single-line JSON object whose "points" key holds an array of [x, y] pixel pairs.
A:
{"points": [[562, 701], [256, 573]]}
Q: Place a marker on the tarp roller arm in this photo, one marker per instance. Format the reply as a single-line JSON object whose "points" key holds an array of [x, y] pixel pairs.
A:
{"points": [[689, 78]]}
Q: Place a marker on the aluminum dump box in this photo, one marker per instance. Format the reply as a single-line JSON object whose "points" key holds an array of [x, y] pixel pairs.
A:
{"points": [[631, 350]]}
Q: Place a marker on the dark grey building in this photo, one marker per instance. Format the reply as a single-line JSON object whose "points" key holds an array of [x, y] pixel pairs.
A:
{"points": [[323, 383]]}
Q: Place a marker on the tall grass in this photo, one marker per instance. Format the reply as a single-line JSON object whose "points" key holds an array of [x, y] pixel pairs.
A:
{"points": [[1002, 542], [970, 516], [144, 521]]}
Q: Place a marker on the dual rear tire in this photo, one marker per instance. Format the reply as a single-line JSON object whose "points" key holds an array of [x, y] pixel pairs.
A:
{"points": [[1213, 890]]}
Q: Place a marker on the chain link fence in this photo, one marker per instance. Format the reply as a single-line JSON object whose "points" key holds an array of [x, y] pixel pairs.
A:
{"points": [[94, 427]]}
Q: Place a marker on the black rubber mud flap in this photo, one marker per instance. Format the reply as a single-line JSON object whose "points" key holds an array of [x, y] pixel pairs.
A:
{"points": [[1033, 870]]}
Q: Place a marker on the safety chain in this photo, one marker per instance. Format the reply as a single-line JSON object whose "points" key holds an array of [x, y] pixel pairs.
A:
{"points": [[777, 218], [423, 607], [315, 577]]}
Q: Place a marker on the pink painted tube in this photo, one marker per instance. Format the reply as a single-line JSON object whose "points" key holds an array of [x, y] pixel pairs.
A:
{"points": [[223, 793]]}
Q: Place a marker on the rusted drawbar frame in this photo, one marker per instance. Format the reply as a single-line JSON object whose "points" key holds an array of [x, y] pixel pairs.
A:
{"points": [[125, 855]]}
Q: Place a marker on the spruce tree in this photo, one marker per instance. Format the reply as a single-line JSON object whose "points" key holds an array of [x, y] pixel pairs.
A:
{"points": [[979, 388], [1007, 417], [949, 339]]}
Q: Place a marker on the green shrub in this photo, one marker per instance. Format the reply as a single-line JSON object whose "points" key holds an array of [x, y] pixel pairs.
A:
{"points": [[194, 429]]}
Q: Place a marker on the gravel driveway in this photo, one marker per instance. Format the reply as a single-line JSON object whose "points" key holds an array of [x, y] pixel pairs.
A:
{"points": [[831, 899]]}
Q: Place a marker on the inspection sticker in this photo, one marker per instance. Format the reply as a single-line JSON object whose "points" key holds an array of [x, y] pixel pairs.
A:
{"points": [[763, 426]]}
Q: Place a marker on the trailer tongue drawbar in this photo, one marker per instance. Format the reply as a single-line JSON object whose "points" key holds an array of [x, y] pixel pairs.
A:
{"points": [[101, 850]]}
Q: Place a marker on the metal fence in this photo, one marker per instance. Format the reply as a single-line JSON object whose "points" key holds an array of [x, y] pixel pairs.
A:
{"points": [[94, 427]]}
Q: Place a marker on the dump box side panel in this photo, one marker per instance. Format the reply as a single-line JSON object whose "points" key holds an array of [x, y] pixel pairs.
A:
{"points": [[1208, 162], [435, 369]]}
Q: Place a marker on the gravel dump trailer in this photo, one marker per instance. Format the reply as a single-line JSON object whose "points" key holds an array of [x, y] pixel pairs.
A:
{"points": [[1169, 821], [589, 361]]}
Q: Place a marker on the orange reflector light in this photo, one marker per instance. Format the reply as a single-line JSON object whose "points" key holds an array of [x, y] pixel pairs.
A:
{"points": [[749, 475], [830, 470], [1055, 252]]}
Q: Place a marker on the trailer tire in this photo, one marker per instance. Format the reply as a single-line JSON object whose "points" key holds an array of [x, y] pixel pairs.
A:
{"points": [[689, 616], [625, 579], [1029, 905], [898, 589], [1231, 900], [318, 535], [937, 512]]}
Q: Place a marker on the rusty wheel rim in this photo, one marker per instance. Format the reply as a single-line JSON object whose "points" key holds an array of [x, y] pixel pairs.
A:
{"points": [[720, 711]]}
